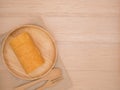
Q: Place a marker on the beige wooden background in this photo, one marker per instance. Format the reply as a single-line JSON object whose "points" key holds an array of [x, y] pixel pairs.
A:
{"points": [[87, 34]]}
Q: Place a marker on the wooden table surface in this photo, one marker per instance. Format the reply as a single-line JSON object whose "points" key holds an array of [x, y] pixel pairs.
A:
{"points": [[87, 34]]}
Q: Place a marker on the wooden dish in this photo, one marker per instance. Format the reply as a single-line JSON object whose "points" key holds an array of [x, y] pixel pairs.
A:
{"points": [[44, 42]]}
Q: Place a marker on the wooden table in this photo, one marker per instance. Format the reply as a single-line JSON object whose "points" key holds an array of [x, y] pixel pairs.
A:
{"points": [[87, 34]]}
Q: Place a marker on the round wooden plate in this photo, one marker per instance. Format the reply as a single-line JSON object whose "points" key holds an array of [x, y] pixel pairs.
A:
{"points": [[44, 42]]}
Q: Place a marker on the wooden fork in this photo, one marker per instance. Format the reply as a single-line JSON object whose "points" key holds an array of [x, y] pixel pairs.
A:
{"points": [[55, 73]]}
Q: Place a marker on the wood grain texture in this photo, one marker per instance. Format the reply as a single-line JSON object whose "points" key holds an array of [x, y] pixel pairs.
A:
{"points": [[87, 34]]}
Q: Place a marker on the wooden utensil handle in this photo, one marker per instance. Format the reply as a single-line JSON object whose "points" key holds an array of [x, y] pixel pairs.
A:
{"points": [[29, 84], [47, 84]]}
